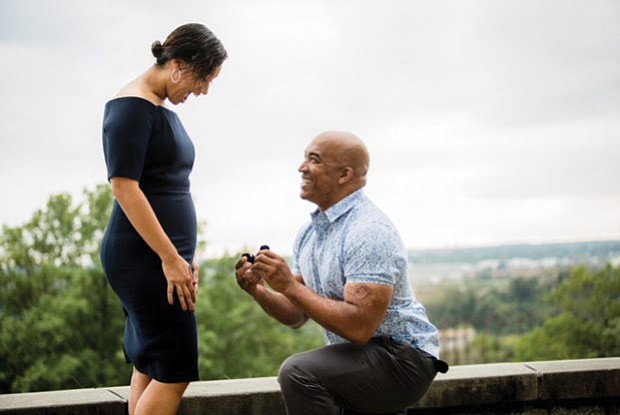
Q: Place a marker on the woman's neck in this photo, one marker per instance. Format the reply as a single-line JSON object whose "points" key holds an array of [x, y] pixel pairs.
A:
{"points": [[153, 85]]}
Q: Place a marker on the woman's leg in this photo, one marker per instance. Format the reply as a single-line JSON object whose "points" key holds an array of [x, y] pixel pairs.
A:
{"points": [[160, 398], [139, 382], [149, 396]]}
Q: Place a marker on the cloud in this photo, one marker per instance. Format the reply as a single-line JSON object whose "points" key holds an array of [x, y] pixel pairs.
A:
{"points": [[486, 120]]}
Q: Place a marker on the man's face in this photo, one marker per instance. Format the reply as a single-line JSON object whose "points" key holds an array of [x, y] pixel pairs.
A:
{"points": [[320, 174]]}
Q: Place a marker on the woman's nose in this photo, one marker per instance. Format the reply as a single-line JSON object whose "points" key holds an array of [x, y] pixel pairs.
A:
{"points": [[202, 89]]}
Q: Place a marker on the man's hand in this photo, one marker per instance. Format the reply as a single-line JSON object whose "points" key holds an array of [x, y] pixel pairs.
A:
{"points": [[356, 317], [246, 278], [272, 268]]}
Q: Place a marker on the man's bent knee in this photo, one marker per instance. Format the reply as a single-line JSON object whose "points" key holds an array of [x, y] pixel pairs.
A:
{"points": [[289, 370]]}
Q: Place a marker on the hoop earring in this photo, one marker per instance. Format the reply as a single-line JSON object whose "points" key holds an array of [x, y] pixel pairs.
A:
{"points": [[175, 79]]}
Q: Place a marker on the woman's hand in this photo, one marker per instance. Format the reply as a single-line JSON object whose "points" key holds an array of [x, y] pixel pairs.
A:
{"points": [[180, 281]]}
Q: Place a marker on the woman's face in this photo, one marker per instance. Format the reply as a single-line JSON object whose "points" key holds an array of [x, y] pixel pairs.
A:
{"points": [[189, 83]]}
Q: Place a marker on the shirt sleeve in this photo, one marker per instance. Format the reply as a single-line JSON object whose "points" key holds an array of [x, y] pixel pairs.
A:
{"points": [[302, 234], [373, 255], [127, 127]]}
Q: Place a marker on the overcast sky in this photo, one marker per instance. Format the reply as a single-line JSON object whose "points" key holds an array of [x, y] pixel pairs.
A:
{"points": [[487, 121]]}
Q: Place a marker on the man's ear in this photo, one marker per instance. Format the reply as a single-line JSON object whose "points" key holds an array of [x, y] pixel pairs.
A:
{"points": [[346, 174]]}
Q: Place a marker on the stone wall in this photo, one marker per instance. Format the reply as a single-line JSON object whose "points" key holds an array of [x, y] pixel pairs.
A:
{"points": [[565, 387]]}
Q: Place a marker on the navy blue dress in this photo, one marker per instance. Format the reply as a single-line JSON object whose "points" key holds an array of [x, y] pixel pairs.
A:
{"points": [[148, 143]]}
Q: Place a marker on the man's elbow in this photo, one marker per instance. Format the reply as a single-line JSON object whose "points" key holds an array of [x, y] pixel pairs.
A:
{"points": [[297, 323], [362, 338]]}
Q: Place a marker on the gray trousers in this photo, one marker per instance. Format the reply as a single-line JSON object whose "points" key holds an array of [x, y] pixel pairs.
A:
{"points": [[382, 377]]}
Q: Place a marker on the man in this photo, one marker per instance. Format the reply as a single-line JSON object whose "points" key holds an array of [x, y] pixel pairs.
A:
{"points": [[349, 275]]}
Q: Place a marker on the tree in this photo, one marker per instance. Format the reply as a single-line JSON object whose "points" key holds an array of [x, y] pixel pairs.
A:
{"points": [[60, 322], [62, 325], [237, 339], [587, 324], [512, 305]]}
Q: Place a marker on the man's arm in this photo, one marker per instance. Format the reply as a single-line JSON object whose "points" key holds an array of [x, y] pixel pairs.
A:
{"points": [[356, 318]]}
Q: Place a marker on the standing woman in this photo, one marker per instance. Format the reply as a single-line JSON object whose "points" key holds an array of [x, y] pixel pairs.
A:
{"points": [[149, 246]]}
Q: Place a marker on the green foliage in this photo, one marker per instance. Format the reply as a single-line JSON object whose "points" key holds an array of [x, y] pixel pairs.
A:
{"points": [[59, 320], [237, 339], [516, 320], [62, 325], [513, 305], [588, 321], [494, 349]]}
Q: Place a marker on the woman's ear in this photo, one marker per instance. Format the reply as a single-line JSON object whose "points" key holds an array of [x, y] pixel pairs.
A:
{"points": [[174, 64]]}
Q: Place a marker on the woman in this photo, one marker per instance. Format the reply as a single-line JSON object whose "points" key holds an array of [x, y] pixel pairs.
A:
{"points": [[151, 237]]}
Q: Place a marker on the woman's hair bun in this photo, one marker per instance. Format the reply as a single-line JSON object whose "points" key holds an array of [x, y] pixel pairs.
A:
{"points": [[193, 44], [157, 49]]}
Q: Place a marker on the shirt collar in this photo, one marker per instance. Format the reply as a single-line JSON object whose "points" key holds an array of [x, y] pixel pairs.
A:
{"points": [[324, 219]]}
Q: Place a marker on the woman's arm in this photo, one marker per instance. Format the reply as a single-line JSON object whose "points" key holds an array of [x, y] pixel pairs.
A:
{"points": [[141, 215]]}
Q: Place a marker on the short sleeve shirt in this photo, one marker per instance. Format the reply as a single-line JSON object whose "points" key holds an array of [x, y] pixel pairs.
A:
{"points": [[355, 242]]}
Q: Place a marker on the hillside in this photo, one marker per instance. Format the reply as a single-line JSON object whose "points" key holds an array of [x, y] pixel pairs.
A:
{"points": [[595, 252]]}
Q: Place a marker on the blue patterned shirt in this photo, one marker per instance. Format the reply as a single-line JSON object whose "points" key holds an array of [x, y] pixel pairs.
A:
{"points": [[355, 242]]}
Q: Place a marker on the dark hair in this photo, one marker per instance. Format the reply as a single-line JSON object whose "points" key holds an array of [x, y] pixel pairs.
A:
{"points": [[193, 44]]}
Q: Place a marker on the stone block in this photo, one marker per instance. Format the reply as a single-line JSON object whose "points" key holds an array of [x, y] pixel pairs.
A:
{"points": [[578, 410], [578, 379], [255, 396], [75, 402], [473, 385]]}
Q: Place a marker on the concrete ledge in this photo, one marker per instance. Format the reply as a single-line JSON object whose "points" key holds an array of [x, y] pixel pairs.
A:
{"points": [[578, 379], [235, 396], [474, 385], [590, 386], [249, 396], [74, 402]]}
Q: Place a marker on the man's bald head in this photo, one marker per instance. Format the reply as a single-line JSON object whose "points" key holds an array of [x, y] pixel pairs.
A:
{"points": [[345, 149]]}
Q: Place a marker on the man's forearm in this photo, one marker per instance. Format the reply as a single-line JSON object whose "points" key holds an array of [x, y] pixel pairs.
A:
{"points": [[279, 307], [356, 318], [334, 315]]}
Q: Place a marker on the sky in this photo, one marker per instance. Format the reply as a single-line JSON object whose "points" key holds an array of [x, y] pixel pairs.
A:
{"points": [[488, 122]]}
